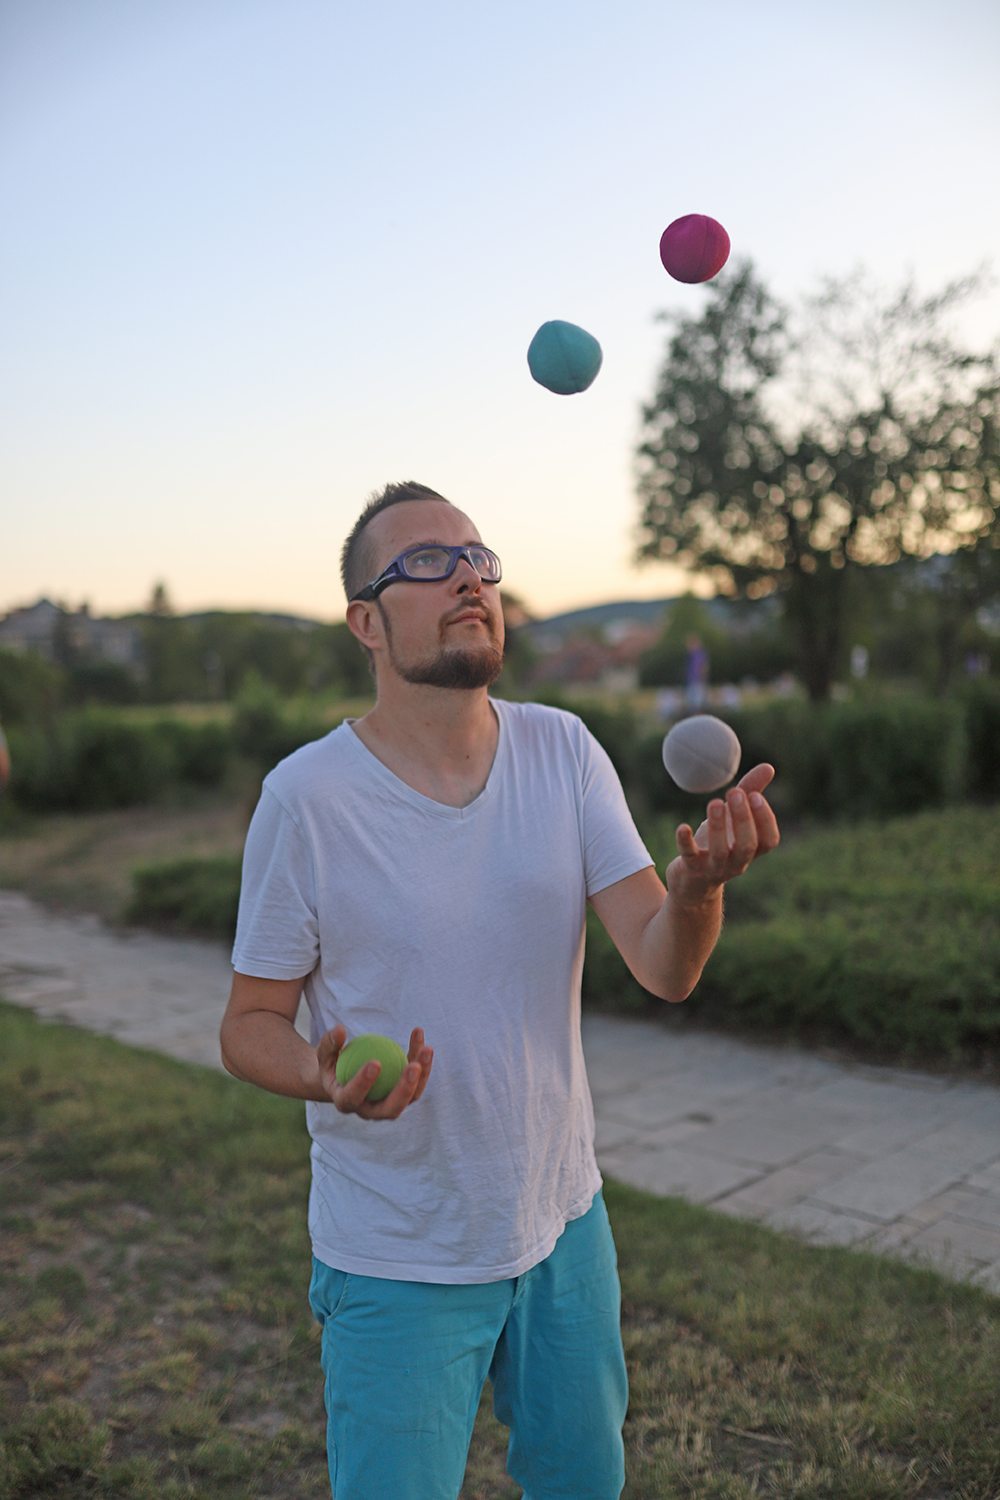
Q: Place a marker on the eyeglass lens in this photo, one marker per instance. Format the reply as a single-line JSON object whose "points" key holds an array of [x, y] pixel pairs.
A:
{"points": [[436, 562]]}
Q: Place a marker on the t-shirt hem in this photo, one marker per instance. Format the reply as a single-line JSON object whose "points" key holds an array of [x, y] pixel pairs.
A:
{"points": [[609, 878], [260, 968], [356, 1265]]}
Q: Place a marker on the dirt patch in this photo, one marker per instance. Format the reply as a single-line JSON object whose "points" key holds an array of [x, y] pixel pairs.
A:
{"points": [[84, 861]]}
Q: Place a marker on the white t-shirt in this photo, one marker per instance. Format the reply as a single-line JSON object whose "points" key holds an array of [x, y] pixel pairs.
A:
{"points": [[469, 922]]}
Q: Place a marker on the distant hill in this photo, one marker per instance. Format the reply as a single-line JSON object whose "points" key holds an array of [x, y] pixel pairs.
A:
{"points": [[595, 616], [640, 611]]}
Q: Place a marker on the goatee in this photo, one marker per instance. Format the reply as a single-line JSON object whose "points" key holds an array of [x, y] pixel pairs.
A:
{"points": [[455, 669], [472, 667]]}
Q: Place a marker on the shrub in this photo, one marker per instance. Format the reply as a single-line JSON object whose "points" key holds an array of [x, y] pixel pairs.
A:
{"points": [[839, 760], [262, 732], [188, 895], [886, 934], [31, 689], [201, 753], [981, 703], [90, 761], [899, 756]]}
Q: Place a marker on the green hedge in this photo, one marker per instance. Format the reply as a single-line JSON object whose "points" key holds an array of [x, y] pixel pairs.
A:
{"points": [[848, 760], [885, 935], [98, 759], [193, 895], [89, 760], [981, 703], [834, 761]]}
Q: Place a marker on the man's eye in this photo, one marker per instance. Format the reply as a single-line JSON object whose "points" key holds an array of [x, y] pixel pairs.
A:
{"points": [[428, 561]]}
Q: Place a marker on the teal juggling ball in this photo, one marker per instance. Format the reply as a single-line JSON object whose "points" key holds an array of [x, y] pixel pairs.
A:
{"points": [[564, 358]]}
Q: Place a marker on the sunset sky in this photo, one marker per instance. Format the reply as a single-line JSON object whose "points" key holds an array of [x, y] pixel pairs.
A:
{"points": [[259, 257]]}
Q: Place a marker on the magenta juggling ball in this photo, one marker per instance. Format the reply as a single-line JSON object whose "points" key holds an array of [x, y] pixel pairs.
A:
{"points": [[694, 248]]}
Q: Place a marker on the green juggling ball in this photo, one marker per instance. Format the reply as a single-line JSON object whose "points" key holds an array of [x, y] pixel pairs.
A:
{"points": [[564, 358], [373, 1048]]}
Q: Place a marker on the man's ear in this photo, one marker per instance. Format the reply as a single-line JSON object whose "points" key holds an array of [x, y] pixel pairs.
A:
{"points": [[364, 621]]}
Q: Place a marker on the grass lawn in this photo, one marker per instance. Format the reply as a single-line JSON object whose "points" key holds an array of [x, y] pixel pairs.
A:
{"points": [[156, 1340]]}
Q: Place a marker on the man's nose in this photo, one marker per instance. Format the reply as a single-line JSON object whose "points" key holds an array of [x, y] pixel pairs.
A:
{"points": [[465, 576]]}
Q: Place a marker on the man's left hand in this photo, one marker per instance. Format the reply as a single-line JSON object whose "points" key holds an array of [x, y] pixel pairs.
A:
{"points": [[738, 830]]}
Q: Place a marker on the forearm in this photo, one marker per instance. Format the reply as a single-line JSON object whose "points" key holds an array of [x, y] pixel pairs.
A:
{"points": [[263, 1048], [677, 943]]}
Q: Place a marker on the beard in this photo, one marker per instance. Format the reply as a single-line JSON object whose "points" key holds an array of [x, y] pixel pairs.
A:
{"points": [[463, 668]]}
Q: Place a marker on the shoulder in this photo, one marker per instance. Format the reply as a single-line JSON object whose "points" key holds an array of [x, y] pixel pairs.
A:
{"points": [[539, 728], [539, 721], [294, 780]]}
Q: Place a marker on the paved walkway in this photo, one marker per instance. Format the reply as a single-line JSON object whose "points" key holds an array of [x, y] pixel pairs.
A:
{"points": [[840, 1153]]}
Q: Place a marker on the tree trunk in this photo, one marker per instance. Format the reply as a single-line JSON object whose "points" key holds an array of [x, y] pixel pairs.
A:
{"points": [[814, 610]]}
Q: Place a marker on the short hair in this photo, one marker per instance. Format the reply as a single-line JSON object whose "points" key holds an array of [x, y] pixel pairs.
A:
{"points": [[357, 561]]}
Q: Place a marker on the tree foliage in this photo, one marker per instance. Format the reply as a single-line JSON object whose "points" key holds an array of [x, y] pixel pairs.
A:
{"points": [[780, 453]]}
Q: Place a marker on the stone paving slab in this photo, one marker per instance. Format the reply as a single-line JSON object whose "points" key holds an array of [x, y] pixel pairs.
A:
{"points": [[674, 1172], [891, 1185], [903, 1163], [811, 1221]]}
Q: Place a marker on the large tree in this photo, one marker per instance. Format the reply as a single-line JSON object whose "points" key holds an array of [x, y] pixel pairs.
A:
{"points": [[781, 452]]}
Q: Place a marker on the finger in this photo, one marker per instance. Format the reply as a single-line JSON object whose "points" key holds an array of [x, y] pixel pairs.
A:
{"points": [[416, 1044], [718, 837], [701, 837], [744, 845], [425, 1059], [757, 778], [351, 1096], [328, 1050], [392, 1106], [331, 1042], [686, 842], [768, 832]]}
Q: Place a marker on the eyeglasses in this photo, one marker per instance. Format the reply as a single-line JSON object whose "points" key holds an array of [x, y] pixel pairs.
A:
{"points": [[430, 564]]}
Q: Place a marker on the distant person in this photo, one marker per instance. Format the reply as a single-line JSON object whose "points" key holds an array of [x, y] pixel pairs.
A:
{"points": [[424, 872], [859, 663], [695, 673]]}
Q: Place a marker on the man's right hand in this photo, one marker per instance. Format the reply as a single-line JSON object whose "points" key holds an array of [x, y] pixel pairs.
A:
{"points": [[351, 1098]]}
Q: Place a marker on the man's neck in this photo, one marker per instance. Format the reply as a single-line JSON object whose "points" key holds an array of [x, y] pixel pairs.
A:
{"points": [[441, 741]]}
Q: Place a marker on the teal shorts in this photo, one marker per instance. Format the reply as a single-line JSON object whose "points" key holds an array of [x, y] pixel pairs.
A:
{"points": [[405, 1363]]}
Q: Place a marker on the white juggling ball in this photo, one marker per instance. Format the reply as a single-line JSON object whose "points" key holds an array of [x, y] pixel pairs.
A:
{"points": [[701, 753]]}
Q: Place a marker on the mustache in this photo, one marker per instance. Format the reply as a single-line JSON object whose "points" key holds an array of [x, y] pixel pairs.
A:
{"points": [[469, 609]]}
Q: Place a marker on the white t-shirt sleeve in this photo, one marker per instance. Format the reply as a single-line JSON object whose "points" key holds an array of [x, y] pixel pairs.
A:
{"points": [[612, 848], [277, 930]]}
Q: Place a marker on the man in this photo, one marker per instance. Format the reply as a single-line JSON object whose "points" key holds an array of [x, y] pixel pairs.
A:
{"points": [[424, 871]]}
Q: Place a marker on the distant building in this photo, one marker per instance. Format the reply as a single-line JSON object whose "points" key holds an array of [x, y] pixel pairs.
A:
{"points": [[607, 658], [33, 628], [48, 630]]}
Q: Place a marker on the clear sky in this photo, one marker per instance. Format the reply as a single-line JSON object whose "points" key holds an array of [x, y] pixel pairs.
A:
{"points": [[259, 257]]}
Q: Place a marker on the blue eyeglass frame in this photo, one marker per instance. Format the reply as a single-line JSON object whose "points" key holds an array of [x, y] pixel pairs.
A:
{"points": [[396, 570]]}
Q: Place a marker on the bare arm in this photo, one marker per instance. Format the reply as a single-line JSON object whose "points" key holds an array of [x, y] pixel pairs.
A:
{"points": [[259, 1042], [260, 1045], [666, 933]]}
